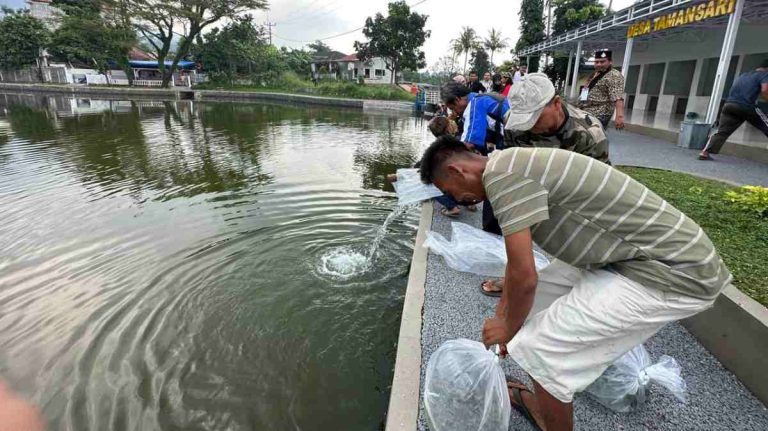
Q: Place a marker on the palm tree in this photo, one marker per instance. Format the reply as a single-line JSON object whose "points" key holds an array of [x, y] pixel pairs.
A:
{"points": [[456, 48], [468, 41], [495, 42]]}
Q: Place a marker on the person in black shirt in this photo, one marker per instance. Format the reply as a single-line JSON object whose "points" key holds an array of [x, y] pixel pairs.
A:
{"points": [[474, 84]]}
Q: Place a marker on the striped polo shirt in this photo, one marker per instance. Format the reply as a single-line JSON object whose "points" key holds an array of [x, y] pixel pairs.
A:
{"points": [[592, 216]]}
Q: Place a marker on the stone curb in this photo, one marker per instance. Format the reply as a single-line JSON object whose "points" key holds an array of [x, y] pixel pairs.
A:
{"points": [[403, 409], [216, 95]]}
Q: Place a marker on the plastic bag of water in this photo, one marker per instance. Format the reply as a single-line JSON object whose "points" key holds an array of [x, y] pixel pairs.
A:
{"points": [[623, 386], [465, 388], [474, 250], [411, 190]]}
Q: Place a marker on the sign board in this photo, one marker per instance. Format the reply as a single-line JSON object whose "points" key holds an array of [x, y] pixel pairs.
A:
{"points": [[695, 13]]}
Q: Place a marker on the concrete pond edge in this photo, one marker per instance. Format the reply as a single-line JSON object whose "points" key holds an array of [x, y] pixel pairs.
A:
{"points": [[213, 95], [403, 411]]}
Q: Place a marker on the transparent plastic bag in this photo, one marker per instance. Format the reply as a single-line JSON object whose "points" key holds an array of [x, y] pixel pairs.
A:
{"points": [[411, 190], [465, 388], [474, 250], [622, 387]]}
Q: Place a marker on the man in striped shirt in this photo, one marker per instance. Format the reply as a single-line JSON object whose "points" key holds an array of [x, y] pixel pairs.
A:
{"points": [[627, 263]]}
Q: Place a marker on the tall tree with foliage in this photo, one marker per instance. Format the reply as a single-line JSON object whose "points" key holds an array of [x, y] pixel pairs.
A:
{"points": [[162, 22], [569, 15], [298, 61], [467, 41], [495, 42], [84, 36], [397, 38], [230, 51], [531, 28], [22, 39], [480, 61], [319, 49]]}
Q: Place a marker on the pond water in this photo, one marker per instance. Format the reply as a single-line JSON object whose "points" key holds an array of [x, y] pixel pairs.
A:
{"points": [[183, 265]]}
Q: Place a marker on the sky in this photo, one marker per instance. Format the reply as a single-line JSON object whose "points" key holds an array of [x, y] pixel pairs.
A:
{"points": [[298, 22]]}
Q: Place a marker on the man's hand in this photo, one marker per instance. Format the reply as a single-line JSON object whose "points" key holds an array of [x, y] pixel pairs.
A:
{"points": [[619, 123], [496, 331], [391, 178], [16, 414], [470, 147]]}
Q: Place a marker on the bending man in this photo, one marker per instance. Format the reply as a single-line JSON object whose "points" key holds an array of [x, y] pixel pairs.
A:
{"points": [[629, 263]]}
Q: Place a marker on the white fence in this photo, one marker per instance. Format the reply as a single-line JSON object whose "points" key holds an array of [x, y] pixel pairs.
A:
{"points": [[50, 74]]}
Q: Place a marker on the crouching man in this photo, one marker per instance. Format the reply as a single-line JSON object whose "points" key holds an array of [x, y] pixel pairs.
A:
{"points": [[627, 263]]}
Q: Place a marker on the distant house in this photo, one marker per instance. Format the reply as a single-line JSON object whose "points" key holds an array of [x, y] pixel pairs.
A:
{"points": [[337, 65], [44, 11]]}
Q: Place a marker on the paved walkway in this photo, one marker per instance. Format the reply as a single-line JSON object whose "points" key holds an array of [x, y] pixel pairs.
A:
{"points": [[640, 150], [453, 308]]}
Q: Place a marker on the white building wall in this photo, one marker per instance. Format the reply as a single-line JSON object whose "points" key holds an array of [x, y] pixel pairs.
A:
{"points": [[693, 44]]}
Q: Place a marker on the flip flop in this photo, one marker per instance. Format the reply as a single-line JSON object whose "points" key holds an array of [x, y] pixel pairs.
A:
{"points": [[495, 293], [472, 208], [447, 213], [707, 157], [519, 405]]}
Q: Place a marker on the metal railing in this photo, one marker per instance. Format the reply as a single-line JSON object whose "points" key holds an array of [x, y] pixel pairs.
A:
{"points": [[621, 18]]}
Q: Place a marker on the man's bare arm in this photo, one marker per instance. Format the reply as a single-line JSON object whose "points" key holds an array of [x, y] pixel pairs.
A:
{"points": [[619, 114]]}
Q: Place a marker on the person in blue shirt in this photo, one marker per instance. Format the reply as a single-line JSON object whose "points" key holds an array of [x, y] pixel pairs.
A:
{"points": [[740, 107], [483, 115]]}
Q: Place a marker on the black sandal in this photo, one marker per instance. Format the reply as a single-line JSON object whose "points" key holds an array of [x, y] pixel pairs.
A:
{"points": [[519, 405]]}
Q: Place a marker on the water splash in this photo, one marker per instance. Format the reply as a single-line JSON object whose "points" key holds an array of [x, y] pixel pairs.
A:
{"points": [[345, 262]]}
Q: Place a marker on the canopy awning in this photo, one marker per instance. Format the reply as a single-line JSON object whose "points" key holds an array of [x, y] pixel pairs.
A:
{"points": [[611, 31]]}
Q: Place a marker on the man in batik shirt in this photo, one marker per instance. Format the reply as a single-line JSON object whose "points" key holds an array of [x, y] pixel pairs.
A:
{"points": [[604, 91]]}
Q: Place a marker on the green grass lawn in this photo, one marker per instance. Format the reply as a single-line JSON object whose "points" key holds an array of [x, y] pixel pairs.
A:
{"points": [[741, 237]]}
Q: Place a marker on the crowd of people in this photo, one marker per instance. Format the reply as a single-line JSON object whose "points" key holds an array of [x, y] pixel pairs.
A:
{"points": [[625, 261]]}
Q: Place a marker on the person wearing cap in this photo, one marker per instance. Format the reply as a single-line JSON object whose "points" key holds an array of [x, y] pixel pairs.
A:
{"points": [[538, 117], [604, 92], [626, 263], [740, 107]]}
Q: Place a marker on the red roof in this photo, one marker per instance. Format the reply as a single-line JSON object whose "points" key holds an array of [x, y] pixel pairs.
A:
{"points": [[138, 54], [350, 57]]}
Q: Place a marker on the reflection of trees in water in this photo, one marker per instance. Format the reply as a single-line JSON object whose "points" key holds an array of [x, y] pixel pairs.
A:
{"points": [[162, 151], [391, 150]]}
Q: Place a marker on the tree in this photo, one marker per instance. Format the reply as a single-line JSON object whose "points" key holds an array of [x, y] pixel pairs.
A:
{"points": [[568, 15], [397, 38], [85, 36], [230, 51], [480, 61], [22, 39], [319, 48], [506, 66], [467, 41], [531, 28], [160, 21], [443, 67], [297, 60], [495, 42]]}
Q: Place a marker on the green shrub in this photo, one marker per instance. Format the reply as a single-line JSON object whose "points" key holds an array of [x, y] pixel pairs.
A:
{"points": [[750, 198]]}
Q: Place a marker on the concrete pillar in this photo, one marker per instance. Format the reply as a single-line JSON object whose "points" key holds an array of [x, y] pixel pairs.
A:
{"points": [[568, 72], [725, 59], [627, 55], [575, 80]]}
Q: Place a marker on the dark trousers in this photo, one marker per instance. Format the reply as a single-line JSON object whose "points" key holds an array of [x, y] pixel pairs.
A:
{"points": [[732, 116], [490, 224], [604, 120], [448, 202]]}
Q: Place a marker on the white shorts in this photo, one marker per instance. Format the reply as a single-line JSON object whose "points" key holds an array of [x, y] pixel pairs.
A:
{"points": [[582, 321]]}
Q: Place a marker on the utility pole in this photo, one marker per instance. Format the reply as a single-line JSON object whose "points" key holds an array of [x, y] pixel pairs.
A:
{"points": [[269, 26]]}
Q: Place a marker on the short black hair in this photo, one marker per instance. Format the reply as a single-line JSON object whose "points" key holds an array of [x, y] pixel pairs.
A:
{"points": [[451, 91], [438, 152], [472, 71], [764, 64]]}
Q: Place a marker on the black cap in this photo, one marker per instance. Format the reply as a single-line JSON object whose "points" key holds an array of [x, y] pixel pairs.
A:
{"points": [[604, 53]]}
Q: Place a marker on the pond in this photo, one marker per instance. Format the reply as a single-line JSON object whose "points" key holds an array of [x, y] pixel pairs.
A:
{"points": [[196, 266]]}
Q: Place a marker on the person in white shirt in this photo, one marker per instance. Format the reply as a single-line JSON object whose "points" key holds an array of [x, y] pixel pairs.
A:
{"points": [[487, 82], [519, 73]]}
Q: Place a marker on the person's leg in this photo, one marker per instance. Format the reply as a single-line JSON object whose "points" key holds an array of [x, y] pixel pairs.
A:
{"points": [[451, 206], [759, 119], [731, 117], [565, 347], [604, 120]]}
